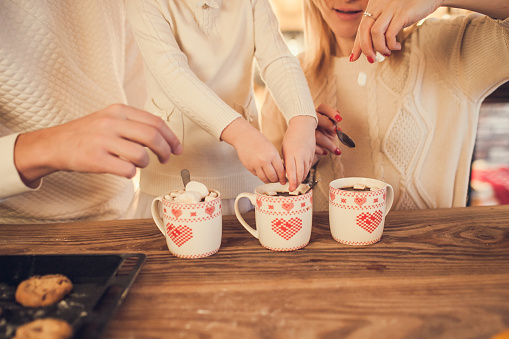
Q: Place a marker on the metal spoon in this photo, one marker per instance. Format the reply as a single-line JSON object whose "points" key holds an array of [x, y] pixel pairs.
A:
{"points": [[345, 139], [186, 176], [312, 185]]}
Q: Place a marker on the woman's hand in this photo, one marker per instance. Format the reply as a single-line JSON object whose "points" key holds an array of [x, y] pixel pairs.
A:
{"points": [[377, 32], [326, 131], [111, 140]]}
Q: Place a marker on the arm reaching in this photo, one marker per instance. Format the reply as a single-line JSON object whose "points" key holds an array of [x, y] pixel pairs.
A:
{"points": [[111, 140]]}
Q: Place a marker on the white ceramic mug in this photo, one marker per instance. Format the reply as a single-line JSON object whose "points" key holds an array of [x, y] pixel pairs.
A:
{"points": [[358, 217], [191, 230], [283, 223]]}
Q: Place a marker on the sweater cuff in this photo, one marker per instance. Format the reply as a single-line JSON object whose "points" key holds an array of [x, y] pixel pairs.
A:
{"points": [[9, 176]]}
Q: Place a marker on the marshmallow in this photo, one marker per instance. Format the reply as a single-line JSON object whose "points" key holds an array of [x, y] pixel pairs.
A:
{"points": [[188, 197], [209, 198], [359, 186], [195, 186], [271, 193]]}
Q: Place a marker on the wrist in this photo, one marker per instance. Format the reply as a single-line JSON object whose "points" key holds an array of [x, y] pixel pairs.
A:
{"points": [[31, 159]]}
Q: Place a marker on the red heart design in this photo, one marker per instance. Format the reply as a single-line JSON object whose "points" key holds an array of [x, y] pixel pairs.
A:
{"points": [[176, 213], [286, 229], [210, 210], [259, 202], [287, 206], [360, 200], [332, 196], [179, 234], [369, 221]]}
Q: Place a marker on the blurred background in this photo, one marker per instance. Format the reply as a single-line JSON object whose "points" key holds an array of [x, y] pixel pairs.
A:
{"points": [[490, 162]]}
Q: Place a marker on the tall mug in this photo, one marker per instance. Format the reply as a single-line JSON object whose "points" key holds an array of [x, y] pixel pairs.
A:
{"points": [[357, 209]]}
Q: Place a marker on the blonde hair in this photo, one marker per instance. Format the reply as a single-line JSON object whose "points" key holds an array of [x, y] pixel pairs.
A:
{"points": [[320, 42]]}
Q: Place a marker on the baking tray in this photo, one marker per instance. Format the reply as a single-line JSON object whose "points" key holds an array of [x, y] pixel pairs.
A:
{"points": [[100, 284]]}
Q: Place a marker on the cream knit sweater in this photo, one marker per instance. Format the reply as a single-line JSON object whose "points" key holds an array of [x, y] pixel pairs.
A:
{"points": [[199, 67], [415, 120], [61, 60]]}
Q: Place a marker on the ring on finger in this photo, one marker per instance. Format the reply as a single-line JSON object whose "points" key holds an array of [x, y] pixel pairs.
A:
{"points": [[369, 15]]}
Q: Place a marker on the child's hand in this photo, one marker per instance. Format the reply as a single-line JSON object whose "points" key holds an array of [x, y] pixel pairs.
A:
{"points": [[298, 149], [255, 151]]}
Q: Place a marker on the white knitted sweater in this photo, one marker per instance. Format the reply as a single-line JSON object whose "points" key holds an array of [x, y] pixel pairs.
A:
{"points": [[415, 120], [61, 60]]}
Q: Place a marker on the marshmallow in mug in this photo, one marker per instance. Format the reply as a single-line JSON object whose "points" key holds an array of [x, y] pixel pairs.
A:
{"points": [[194, 192], [302, 189]]}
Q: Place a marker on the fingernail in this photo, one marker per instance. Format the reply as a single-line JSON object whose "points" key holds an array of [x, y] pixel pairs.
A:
{"points": [[337, 151], [351, 57], [338, 117], [370, 60], [325, 152], [386, 55], [338, 128]]}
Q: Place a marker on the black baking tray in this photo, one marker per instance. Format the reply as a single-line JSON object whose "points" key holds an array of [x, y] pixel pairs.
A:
{"points": [[100, 284]]}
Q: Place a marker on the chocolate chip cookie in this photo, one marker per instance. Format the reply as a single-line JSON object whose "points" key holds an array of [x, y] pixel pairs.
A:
{"points": [[43, 290], [47, 328]]}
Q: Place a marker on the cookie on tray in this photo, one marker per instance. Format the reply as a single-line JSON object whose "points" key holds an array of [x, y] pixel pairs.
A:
{"points": [[47, 328], [43, 290]]}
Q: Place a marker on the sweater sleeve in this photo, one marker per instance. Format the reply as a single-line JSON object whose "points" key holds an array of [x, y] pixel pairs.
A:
{"points": [[169, 66], [10, 181], [280, 69], [473, 49]]}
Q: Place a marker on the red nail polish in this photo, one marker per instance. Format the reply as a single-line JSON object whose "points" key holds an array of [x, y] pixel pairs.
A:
{"points": [[325, 153], [351, 57], [338, 118], [338, 129], [386, 55], [337, 151], [370, 60]]}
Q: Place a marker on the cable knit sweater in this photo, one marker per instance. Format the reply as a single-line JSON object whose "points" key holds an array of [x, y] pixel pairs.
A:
{"points": [[199, 62], [61, 60], [415, 120]]}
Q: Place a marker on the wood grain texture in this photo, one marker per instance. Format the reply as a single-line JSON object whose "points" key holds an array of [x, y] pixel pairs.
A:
{"points": [[435, 274]]}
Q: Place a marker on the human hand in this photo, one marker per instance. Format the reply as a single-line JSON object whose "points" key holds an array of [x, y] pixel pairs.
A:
{"points": [[377, 33], [298, 149], [326, 131], [255, 151], [111, 140]]}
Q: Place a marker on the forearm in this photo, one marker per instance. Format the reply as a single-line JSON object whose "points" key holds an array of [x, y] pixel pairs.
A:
{"points": [[498, 9]]}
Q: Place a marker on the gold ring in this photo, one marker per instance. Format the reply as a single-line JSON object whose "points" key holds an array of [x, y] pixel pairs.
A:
{"points": [[369, 15]]}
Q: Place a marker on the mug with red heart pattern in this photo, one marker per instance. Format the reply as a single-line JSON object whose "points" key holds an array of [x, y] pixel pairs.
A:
{"points": [[357, 209], [283, 223], [192, 230]]}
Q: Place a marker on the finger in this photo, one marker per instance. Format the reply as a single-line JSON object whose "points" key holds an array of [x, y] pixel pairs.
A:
{"points": [[325, 143], [356, 51], [378, 31], [320, 151], [280, 170], [114, 165], [270, 173], [130, 151], [144, 117], [261, 175], [366, 42], [392, 32], [291, 173]]}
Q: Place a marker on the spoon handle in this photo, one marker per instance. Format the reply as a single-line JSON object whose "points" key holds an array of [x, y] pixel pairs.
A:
{"points": [[186, 176]]}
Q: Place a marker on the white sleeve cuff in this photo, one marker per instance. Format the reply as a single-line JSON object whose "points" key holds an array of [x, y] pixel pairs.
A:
{"points": [[10, 181]]}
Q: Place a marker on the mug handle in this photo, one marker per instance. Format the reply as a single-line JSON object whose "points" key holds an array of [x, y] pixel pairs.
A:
{"points": [[251, 197], [389, 199], [156, 216]]}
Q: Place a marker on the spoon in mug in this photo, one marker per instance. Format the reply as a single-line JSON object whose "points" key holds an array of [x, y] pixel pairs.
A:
{"points": [[312, 185], [186, 176]]}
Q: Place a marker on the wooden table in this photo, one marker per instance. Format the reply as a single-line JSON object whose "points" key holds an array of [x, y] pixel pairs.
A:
{"points": [[435, 274]]}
